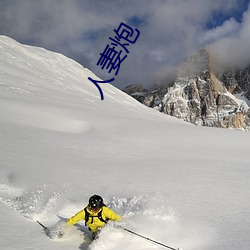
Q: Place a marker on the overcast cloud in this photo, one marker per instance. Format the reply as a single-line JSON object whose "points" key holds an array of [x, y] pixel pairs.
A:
{"points": [[170, 30]]}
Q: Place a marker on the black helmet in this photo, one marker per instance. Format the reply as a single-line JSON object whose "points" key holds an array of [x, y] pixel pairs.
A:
{"points": [[96, 202]]}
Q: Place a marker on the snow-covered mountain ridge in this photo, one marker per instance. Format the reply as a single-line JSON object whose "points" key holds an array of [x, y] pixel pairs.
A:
{"points": [[182, 185], [201, 96], [27, 62]]}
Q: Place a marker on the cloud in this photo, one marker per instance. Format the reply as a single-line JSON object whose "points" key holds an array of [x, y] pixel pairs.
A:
{"points": [[233, 49], [228, 28], [170, 31]]}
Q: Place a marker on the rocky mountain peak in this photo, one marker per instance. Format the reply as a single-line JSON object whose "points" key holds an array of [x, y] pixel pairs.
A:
{"points": [[202, 97], [196, 64]]}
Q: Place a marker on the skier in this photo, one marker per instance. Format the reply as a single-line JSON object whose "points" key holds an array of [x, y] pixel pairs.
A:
{"points": [[95, 214]]}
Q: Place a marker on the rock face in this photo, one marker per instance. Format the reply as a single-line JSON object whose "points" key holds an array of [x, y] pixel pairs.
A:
{"points": [[201, 97], [137, 91], [237, 81]]}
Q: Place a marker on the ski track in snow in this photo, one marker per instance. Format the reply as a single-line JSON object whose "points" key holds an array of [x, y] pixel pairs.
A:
{"points": [[43, 117]]}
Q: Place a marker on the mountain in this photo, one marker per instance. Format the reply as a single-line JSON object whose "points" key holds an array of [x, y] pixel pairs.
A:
{"points": [[237, 81], [201, 96], [182, 185]]}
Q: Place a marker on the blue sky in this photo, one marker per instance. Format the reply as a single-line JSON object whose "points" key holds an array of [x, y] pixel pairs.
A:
{"points": [[170, 30], [218, 17]]}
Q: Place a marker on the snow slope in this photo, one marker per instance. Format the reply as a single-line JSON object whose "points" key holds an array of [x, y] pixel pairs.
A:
{"points": [[176, 183]]}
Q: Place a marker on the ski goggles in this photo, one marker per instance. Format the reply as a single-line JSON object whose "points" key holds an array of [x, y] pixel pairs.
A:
{"points": [[94, 208]]}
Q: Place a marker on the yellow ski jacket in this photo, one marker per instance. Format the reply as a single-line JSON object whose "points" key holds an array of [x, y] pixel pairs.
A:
{"points": [[94, 223]]}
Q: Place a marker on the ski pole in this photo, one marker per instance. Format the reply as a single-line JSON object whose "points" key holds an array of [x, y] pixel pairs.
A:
{"points": [[146, 238], [45, 228]]}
